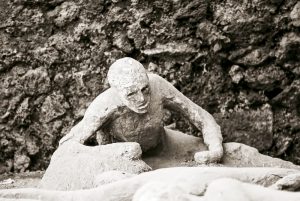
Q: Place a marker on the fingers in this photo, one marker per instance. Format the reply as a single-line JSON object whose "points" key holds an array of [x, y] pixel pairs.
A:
{"points": [[206, 157], [202, 157]]}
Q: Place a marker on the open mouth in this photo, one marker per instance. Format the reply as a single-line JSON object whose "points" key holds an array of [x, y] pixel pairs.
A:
{"points": [[143, 106]]}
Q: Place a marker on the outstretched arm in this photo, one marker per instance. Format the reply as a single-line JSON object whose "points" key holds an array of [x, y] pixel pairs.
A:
{"points": [[176, 101], [99, 112]]}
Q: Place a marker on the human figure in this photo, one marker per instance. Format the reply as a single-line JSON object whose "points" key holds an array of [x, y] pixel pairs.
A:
{"points": [[188, 183], [132, 110], [224, 189]]}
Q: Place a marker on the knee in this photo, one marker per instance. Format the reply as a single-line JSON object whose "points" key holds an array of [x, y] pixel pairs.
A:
{"points": [[130, 150]]}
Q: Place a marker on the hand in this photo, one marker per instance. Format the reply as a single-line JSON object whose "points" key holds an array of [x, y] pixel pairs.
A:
{"points": [[205, 157], [289, 183]]}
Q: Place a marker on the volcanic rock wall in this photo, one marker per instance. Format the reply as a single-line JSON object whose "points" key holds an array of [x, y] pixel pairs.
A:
{"points": [[240, 60]]}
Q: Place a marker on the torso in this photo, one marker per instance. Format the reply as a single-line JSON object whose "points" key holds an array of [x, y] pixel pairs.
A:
{"points": [[145, 129]]}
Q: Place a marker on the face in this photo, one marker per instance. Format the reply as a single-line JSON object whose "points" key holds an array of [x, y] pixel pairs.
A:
{"points": [[131, 81], [136, 96]]}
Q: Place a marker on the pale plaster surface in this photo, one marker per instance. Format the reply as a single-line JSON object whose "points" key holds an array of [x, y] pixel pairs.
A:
{"points": [[133, 108], [193, 180]]}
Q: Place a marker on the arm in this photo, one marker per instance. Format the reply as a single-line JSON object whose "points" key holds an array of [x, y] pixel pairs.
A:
{"points": [[99, 111], [176, 101]]}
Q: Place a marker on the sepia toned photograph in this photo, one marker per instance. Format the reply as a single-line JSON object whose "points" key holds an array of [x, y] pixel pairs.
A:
{"points": [[149, 100]]}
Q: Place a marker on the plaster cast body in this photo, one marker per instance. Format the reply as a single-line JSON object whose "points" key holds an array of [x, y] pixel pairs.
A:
{"points": [[192, 182], [224, 189], [132, 111], [233, 190], [133, 108]]}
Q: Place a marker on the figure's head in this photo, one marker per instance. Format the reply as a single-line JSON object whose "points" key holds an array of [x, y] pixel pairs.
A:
{"points": [[130, 79]]}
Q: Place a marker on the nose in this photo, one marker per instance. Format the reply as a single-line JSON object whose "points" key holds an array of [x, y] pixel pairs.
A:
{"points": [[140, 97]]}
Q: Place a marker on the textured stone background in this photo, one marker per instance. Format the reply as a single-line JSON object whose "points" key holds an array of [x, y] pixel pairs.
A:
{"points": [[240, 60]]}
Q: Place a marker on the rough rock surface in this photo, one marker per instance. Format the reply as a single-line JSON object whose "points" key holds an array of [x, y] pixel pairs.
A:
{"points": [[231, 57]]}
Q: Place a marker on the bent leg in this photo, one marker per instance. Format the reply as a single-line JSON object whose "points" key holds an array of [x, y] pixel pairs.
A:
{"points": [[74, 166]]}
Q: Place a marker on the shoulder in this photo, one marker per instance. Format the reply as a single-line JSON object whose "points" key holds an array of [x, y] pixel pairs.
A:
{"points": [[105, 103], [154, 77], [164, 88], [159, 82]]}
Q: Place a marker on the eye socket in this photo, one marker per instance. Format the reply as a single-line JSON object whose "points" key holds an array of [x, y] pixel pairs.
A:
{"points": [[130, 94], [145, 89]]}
